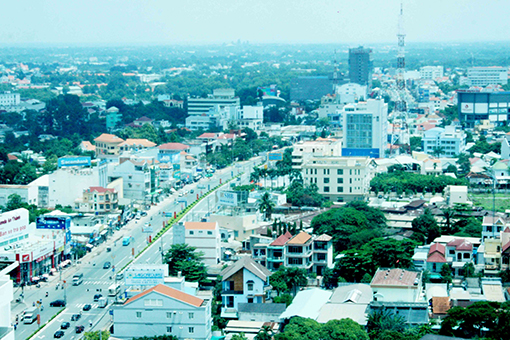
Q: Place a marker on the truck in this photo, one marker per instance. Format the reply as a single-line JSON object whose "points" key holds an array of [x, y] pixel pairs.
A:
{"points": [[102, 302], [126, 240], [114, 289], [77, 279], [30, 315]]}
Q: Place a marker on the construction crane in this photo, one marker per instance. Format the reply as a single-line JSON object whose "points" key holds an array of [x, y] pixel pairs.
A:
{"points": [[400, 134]]}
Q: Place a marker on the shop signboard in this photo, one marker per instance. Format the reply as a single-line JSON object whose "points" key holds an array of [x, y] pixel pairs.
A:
{"points": [[74, 161], [43, 251], [227, 198], [53, 222], [26, 257], [275, 156], [145, 276], [14, 225]]}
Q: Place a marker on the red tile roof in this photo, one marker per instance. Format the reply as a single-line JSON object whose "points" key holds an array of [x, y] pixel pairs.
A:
{"points": [[436, 257], [108, 138], [100, 189], [144, 119], [437, 247], [300, 238], [11, 157], [456, 242], [207, 135], [282, 239], [505, 247], [173, 146], [200, 225], [170, 292], [466, 246]]}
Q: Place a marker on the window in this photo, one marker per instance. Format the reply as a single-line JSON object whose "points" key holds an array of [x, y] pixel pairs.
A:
{"points": [[339, 180], [191, 315], [191, 330], [168, 329], [191, 232], [326, 189], [138, 315], [249, 284], [340, 189], [168, 315], [153, 302], [209, 232], [326, 180]]}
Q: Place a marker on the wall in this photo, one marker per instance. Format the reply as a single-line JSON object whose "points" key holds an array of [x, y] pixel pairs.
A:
{"points": [[242, 226], [396, 294]]}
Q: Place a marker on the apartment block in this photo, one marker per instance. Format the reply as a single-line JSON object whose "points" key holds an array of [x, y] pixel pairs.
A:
{"points": [[339, 179], [490, 75], [447, 142], [302, 151]]}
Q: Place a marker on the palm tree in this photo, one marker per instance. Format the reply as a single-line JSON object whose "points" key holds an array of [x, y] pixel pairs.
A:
{"points": [[266, 206], [255, 175], [448, 214], [438, 151]]}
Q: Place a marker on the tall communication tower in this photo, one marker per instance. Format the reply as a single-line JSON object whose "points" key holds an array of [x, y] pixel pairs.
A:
{"points": [[401, 136], [335, 74]]}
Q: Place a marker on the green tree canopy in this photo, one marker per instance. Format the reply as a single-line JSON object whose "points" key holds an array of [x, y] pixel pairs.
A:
{"points": [[185, 259]]}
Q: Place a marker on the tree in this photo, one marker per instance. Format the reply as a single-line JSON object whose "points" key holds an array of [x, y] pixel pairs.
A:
{"points": [[105, 335], [288, 279], [266, 333], [479, 318], [384, 320], [343, 329], [468, 269], [284, 298], [415, 143], [266, 206], [239, 336], [300, 329], [446, 273], [448, 214], [15, 202], [184, 258], [425, 228]]}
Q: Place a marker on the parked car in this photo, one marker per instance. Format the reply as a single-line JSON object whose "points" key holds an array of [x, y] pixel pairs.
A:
{"points": [[97, 296], [87, 307], [58, 303], [58, 334], [107, 265], [143, 213], [75, 317], [79, 329], [192, 191], [65, 325]]}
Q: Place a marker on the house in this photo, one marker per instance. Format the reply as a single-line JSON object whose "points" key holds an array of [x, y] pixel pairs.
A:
{"points": [[107, 145], [262, 312], [162, 310], [87, 146], [142, 121], [170, 152], [245, 281], [436, 258], [456, 194], [349, 301], [391, 285], [97, 200], [136, 144], [204, 236]]}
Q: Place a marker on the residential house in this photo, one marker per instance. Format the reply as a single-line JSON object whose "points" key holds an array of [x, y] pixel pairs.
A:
{"points": [[245, 281], [263, 312], [140, 179], [97, 200], [396, 285], [142, 121], [162, 310], [107, 145], [170, 152], [135, 144]]}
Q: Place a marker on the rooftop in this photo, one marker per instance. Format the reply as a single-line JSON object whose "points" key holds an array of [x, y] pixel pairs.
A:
{"points": [[249, 264], [395, 277], [173, 146], [169, 292], [300, 238], [108, 138], [200, 225]]}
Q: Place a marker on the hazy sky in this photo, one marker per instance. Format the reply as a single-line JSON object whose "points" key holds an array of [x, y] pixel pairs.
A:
{"points": [[282, 21]]}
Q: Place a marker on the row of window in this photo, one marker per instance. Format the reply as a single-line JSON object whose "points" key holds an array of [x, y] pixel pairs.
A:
{"points": [[192, 232], [159, 303]]}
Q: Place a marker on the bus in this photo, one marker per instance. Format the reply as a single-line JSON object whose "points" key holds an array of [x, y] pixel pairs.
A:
{"points": [[114, 289], [30, 315], [77, 279]]}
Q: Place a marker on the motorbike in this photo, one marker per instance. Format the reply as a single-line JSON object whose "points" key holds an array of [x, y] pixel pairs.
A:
{"points": [[38, 285], [46, 294]]}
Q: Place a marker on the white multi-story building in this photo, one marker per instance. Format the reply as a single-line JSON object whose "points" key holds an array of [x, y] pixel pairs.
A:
{"points": [[490, 75], [396, 285], [351, 93], [205, 237], [365, 126], [220, 97], [250, 117], [162, 310], [431, 72], [447, 142], [136, 177], [339, 179], [319, 147], [66, 184], [6, 287], [9, 99]]}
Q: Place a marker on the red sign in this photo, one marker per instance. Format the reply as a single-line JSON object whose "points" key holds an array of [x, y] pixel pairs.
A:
{"points": [[25, 258]]}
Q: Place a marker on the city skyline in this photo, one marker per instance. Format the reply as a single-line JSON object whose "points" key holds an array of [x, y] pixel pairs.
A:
{"points": [[197, 22]]}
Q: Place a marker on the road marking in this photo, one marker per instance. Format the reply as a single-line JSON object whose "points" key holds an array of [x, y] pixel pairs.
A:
{"points": [[41, 336]]}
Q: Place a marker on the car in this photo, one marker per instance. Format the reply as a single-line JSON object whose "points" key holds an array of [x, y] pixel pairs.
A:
{"points": [[58, 303], [79, 329], [380, 196], [75, 317], [58, 334], [87, 307], [181, 194], [138, 216], [65, 325], [107, 265], [192, 191], [143, 213], [97, 296], [208, 175]]}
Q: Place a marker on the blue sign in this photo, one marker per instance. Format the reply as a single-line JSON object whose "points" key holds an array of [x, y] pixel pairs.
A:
{"points": [[73, 161], [53, 222], [275, 156], [173, 157]]}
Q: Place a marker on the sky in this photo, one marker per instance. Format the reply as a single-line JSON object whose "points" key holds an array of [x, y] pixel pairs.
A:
{"points": [[167, 22]]}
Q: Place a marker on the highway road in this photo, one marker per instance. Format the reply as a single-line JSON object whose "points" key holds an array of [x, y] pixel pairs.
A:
{"points": [[96, 280]]}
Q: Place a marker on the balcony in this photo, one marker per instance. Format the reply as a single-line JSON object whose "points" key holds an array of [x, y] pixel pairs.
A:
{"points": [[231, 292], [492, 267]]}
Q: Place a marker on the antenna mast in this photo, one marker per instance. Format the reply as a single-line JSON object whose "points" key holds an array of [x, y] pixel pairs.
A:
{"points": [[400, 111]]}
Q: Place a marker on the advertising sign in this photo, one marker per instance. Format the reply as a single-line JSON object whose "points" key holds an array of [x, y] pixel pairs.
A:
{"points": [[169, 157], [145, 276], [13, 225], [53, 222], [275, 156], [228, 198], [147, 229], [467, 108], [43, 250], [73, 161]]}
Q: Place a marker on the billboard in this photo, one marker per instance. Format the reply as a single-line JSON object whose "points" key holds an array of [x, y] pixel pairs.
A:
{"points": [[13, 225], [227, 198], [147, 229], [145, 275], [275, 156], [169, 157], [53, 222], [73, 161]]}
